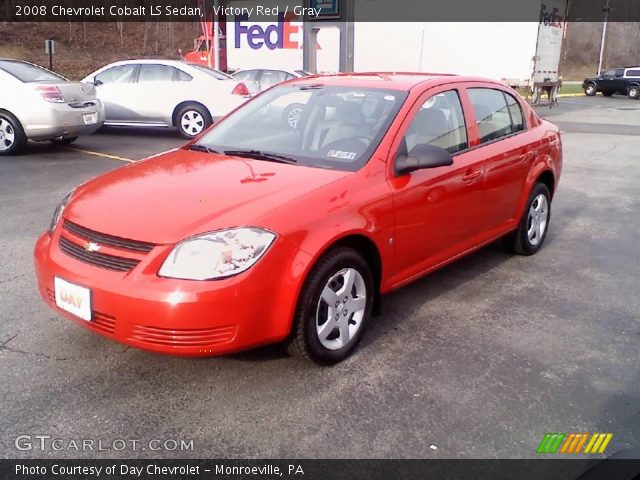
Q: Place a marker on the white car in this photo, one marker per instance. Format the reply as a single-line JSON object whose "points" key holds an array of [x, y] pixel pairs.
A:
{"points": [[264, 78], [166, 93], [259, 79], [37, 104]]}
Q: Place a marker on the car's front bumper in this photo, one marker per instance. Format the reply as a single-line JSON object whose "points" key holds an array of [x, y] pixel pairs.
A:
{"points": [[62, 121], [180, 317]]}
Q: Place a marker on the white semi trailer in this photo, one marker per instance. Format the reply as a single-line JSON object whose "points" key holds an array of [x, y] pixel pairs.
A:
{"points": [[519, 52]]}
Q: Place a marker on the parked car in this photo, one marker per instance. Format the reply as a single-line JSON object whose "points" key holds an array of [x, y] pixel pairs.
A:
{"points": [[37, 104], [166, 93], [625, 81], [257, 233], [267, 77], [259, 79]]}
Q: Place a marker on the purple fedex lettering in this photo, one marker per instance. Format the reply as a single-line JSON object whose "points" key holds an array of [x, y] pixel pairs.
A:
{"points": [[257, 37]]}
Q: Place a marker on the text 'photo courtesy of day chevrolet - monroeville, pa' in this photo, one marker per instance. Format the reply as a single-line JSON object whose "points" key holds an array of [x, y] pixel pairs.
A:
{"points": [[319, 239]]}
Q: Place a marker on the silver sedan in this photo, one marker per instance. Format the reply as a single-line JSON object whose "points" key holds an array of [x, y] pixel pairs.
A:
{"points": [[166, 93], [36, 104]]}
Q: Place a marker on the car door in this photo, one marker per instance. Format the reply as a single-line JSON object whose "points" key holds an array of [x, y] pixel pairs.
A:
{"points": [[115, 88], [606, 83], [619, 82], [436, 208], [501, 139], [159, 89]]}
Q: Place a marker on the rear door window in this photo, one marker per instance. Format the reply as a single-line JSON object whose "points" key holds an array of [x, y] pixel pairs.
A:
{"points": [[493, 116], [516, 113], [155, 73], [247, 75]]}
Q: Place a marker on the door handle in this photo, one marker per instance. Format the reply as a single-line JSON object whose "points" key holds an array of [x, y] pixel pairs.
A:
{"points": [[471, 175]]}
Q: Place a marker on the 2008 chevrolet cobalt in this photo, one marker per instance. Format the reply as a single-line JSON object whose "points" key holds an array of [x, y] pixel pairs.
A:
{"points": [[258, 232]]}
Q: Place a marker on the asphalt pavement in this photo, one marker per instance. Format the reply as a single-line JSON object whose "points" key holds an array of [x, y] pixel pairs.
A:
{"points": [[478, 360]]}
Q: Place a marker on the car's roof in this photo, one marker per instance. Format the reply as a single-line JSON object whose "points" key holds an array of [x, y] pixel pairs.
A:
{"points": [[390, 80], [275, 69]]}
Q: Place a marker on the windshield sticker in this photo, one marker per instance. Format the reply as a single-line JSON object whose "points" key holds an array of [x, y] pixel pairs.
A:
{"points": [[341, 154]]}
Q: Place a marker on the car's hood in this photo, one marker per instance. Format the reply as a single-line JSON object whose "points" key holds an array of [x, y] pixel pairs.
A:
{"points": [[183, 193]]}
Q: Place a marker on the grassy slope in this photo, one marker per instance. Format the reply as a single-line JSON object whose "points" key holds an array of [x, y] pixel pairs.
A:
{"points": [[83, 47]]}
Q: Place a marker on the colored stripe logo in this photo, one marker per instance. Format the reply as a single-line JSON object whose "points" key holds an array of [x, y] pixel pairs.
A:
{"points": [[558, 442]]}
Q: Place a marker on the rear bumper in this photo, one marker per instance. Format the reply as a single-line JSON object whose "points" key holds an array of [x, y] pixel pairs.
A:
{"points": [[179, 317], [61, 120]]}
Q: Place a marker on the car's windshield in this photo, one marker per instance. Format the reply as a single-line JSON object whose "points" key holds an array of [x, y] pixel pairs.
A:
{"points": [[26, 72], [314, 125]]}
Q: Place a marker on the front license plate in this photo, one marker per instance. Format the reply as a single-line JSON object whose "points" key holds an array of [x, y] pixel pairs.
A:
{"points": [[73, 298], [90, 118]]}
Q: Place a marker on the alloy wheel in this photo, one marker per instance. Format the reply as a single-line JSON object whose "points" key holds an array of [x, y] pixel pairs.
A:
{"points": [[293, 117], [7, 135], [538, 219], [341, 309]]}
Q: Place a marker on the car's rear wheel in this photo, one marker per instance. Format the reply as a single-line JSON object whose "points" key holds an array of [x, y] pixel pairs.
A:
{"points": [[634, 92], [334, 308], [192, 120], [64, 141], [528, 238], [590, 90], [12, 137]]}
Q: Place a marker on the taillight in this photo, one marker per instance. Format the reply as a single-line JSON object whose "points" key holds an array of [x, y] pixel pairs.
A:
{"points": [[51, 94], [240, 89]]}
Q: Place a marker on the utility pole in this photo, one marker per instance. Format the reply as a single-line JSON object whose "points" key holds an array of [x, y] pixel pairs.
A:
{"points": [[606, 11]]}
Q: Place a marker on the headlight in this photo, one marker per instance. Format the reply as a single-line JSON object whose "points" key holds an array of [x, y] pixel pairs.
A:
{"points": [[217, 255], [57, 214]]}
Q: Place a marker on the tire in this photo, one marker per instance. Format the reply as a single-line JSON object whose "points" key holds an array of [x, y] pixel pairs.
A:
{"points": [[291, 115], [344, 320], [607, 94], [633, 92], [527, 239], [12, 137], [63, 141], [192, 119], [590, 89]]}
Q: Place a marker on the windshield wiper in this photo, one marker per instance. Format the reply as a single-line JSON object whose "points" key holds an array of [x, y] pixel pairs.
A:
{"points": [[196, 147], [258, 155]]}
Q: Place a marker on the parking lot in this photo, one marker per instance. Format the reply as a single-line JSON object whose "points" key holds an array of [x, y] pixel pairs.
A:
{"points": [[478, 360]]}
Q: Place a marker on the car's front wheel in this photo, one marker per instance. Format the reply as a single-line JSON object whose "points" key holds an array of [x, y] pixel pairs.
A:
{"points": [[192, 120], [334, 308], [534, 224], [12, 137], [590, 90]]}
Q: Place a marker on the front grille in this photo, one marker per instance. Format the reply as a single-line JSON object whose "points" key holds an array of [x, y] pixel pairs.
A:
{"points": [[183, 337], [103, 260], [105, 239], [100, 321]]}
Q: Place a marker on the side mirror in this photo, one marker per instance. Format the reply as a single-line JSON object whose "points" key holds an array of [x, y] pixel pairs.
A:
{"points": [[422, 156], [97, 82]]}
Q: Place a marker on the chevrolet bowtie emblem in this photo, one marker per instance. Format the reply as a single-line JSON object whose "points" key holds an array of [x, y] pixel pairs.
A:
{"points": [[91, 247]]}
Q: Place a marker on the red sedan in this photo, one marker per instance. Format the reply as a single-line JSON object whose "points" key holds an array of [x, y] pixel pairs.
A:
{"points": [[260, 232]]}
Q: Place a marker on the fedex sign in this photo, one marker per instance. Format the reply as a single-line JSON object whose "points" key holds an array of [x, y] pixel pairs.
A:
{"points": [[273, 36]]}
